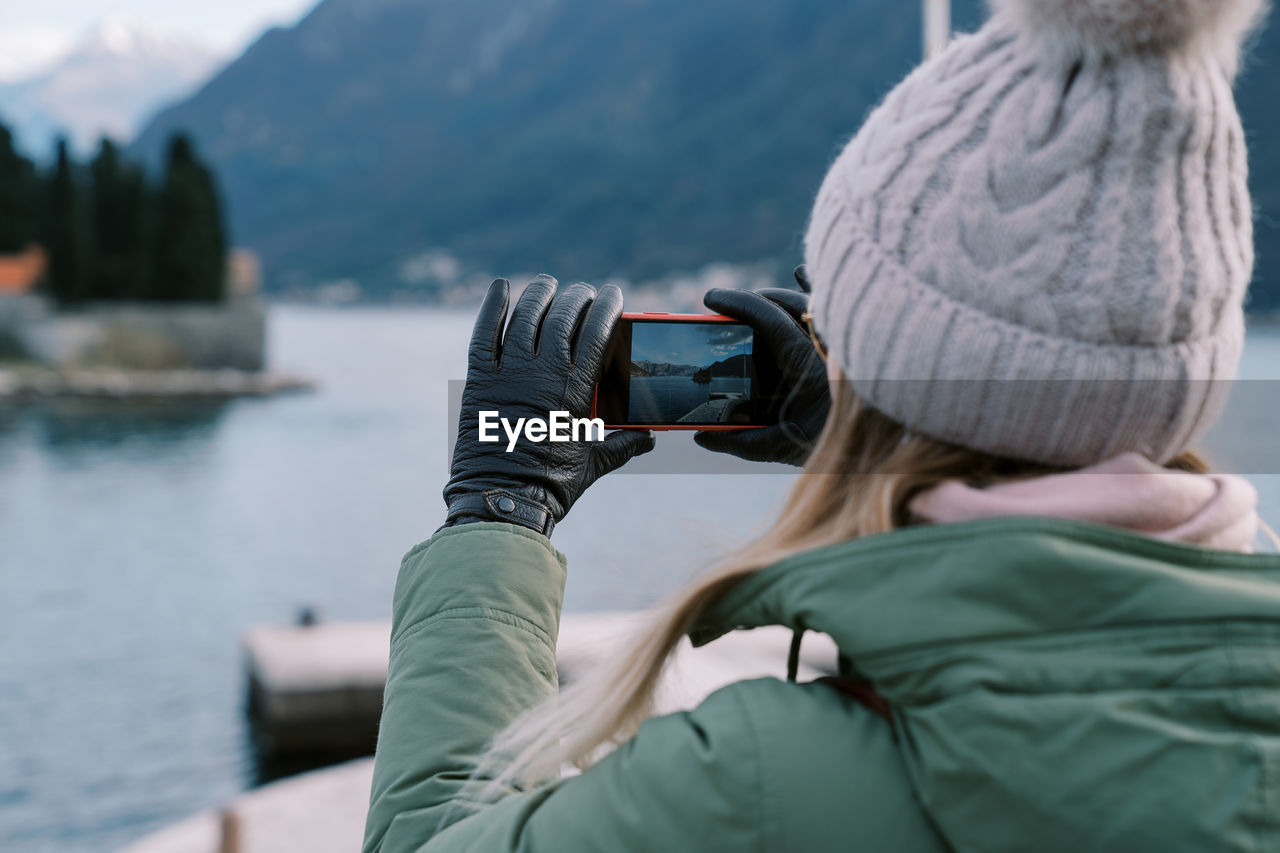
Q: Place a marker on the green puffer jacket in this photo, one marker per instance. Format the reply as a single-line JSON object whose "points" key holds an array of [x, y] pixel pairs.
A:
{"points": [[1055, 686]]}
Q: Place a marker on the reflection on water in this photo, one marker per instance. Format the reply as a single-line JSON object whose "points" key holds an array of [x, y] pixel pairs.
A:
{"points": [[67, 424], [670, 399]]}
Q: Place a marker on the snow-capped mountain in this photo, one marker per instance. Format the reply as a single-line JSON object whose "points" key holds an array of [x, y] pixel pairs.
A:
{"points": [[110, 83]]}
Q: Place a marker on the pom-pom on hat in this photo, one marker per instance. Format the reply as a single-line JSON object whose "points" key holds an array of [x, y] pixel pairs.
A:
{"points": [[1038, 245], [1215, 27]]}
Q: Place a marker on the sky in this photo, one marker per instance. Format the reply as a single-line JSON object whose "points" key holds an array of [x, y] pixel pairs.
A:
{"points": [[34, 33], [688, 343]]}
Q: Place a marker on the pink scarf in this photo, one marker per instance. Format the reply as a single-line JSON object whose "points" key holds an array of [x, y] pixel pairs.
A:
{"points": [[1213, 510]]}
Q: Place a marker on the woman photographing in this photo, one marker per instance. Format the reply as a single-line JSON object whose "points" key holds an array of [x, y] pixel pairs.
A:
{"points": [[1028, 272]]}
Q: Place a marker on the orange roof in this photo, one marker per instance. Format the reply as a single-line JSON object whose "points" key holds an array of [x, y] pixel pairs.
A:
{"points": [[21, 273]]}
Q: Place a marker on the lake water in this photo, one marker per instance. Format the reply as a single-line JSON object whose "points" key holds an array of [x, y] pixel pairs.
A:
{"points": [[136, 543], [667, 399]]}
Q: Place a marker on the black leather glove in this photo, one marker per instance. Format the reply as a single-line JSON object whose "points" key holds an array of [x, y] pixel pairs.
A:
{"points": [[775, 315], [549, 360]]}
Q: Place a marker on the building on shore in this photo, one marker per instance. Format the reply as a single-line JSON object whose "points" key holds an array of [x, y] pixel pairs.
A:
{"points": [[23, 272], [137, 335]]}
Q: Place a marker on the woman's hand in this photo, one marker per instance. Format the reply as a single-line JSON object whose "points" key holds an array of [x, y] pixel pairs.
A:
{"points": [[775, 314], [548, 361]]}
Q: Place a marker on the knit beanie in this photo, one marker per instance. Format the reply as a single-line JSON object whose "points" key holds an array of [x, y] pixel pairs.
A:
{"points": [[1038, 245]]}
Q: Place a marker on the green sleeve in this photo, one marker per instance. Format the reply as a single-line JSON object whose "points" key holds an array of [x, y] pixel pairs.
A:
{"points": [[474, 624], [689, 781], [762, 766], [473, 644]]}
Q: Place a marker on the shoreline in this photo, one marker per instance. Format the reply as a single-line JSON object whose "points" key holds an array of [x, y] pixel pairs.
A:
{"points": [[31, 383]]}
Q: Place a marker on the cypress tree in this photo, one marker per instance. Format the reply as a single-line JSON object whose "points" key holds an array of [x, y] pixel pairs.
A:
{"points": [[136, 215], [218, 246], [19, 187], [68, 234], [119, 226], [108, 237], [190, 256]]}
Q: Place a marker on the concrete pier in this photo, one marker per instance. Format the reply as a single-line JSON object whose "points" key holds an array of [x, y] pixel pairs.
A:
{"points": [[319, 688], [318, 812], [316, 688]]}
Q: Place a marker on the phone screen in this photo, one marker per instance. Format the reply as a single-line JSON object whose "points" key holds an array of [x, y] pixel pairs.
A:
{"points": [[688, 373]]}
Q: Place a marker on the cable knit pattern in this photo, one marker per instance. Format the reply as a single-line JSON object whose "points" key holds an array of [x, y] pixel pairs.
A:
{"points": [[1044, 253]]}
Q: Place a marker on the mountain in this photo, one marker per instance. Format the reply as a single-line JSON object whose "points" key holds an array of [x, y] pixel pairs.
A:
{"points": [[587, 138], [110, 83], [1257, 93], [661, 368], [735, 366]]}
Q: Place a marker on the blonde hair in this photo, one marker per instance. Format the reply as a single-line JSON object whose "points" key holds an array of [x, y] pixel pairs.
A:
{"points": [[859, 481]]}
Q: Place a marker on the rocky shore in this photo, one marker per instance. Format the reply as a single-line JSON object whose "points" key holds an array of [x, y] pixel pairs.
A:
{"points": [[28, 383]]}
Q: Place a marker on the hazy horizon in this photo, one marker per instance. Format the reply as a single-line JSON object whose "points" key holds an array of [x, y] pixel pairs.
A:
{"points": [[34, 37]]}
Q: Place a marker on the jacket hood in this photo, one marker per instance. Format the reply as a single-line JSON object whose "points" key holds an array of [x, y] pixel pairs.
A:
{"points": [[1055, 683]]}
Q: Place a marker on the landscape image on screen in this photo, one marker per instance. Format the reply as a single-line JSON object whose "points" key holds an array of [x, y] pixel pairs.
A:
{"points": [[690, 373]]}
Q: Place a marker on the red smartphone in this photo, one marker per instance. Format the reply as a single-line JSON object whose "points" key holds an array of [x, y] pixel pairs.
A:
{"points": [[686, 371]]}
